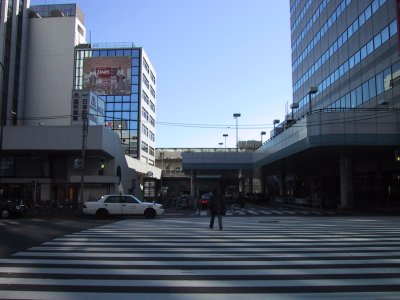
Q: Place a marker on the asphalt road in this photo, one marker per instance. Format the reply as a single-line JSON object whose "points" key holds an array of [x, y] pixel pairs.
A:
{"points": [[254, 257], [17, 234]]}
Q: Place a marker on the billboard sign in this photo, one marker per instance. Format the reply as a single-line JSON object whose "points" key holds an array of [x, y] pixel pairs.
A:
{"points": [[109, 75], [87, 103]]}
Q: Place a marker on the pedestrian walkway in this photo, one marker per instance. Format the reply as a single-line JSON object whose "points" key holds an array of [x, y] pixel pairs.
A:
{"points": [[253, 258]]}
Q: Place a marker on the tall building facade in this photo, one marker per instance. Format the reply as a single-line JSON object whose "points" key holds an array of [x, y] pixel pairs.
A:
{"points": [[340, 144], [345, 76], [54, 31], [348, 49], [126, 80], [13, 49]]}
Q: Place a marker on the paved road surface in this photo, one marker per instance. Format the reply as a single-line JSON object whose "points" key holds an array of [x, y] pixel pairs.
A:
{"points": [[252, 258]]}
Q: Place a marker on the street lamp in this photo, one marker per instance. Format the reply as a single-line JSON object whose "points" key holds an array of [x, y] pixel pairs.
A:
{"points": [[236, 116], [225, 135], [3, 115], [85, 123], [262, 133], [276, 121], [313, 90], [293, 106], [220, 144]]}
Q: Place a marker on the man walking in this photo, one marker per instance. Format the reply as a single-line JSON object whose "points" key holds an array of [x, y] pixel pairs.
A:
{"points": [[216, 205]]}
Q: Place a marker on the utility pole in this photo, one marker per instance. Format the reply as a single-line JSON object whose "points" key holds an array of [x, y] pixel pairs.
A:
{"points": [[85, 123]]}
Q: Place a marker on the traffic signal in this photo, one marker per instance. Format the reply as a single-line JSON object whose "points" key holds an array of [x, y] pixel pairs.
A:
{"points": [[102, 166]]}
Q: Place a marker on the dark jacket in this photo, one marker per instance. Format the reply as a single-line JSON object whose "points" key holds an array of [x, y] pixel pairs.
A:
{"points": [[216, 204]]}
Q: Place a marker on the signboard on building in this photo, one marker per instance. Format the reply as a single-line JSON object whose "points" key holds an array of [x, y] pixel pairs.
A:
{"points": [[109, 75], [87, 102]]}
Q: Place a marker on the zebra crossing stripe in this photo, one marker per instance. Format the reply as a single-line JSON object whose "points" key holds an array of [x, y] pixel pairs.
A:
{"points": [[253, 258]]}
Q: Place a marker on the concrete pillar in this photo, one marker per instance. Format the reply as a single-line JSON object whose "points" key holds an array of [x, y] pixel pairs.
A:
{"points": [[346, 180]]}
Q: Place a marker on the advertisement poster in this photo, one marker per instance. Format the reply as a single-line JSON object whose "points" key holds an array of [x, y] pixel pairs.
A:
{"points": [[107, 75]]}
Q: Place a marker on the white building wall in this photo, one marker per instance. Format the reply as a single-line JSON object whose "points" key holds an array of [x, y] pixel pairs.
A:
{"points": [[49, 73], [147, 157]]}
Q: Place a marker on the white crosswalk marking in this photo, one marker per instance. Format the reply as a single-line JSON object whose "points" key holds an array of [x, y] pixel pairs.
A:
{"points": [[260, 210], [280, 257]]}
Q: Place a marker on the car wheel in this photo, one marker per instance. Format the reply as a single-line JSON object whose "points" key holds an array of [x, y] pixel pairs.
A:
{"points": [[150, 213], [102, 213], [5, 213]]}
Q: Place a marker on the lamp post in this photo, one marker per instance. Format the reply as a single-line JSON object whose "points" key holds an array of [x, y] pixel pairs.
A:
{"points": [[225, 135], [236, 116], [220, 144], [293, 106], [276, 121], [313, 90], [3, 116], [85, 123], [262, 133]]}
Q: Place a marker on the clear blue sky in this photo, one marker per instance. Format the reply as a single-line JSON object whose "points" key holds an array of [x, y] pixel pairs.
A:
{"points": [[213, 58]]}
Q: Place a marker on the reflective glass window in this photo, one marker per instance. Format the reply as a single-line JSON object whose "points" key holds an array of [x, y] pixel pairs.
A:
{"points": [[387, 77], [135, 53], [135, 62], [358, 96], [372, 88], [365, 92], [368, 13], [127, 52], [350, 31], [370, 47], [353, 98], [135, 70], [361, 19], [117, 106], [377, 40], [375, 6], [351, 61], [357, 57], [126, 106], [343, 103], [393, 28], [347, 101], [385, 34], [363, 52], [396, 71], [135, 79], [379, 83], [355, 25], [346, 66]]}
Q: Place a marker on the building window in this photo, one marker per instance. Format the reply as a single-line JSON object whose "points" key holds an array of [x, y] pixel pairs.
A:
{"points": [[145, 97], [145, 130], [80, 30], [151, 151], [146, 81], [152, 77], [152, 92], [146, 65], [152, 122], [152, 106], [145, 147]]}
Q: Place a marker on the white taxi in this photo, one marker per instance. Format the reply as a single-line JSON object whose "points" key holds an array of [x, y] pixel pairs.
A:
{"points": [[122, 205]]}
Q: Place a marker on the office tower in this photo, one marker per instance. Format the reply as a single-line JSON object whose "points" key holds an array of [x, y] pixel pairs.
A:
{"points": [[54, 31], [124, 77]]}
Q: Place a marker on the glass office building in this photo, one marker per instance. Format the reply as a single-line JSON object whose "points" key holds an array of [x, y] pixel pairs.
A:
{"points": [[348, 49], [124, 77], [337, 146]]}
